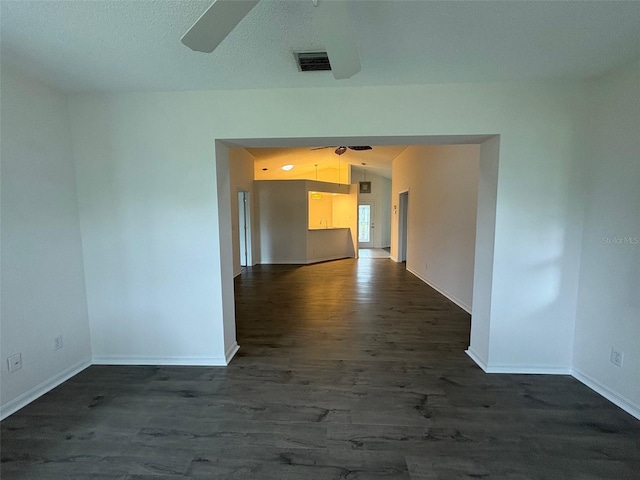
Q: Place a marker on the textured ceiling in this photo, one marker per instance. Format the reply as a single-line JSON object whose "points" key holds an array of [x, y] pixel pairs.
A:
{"points": [[115, 45]]}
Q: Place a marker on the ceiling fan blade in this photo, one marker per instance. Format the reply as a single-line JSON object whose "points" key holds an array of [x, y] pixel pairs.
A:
{"points": [[360, 147], [216, 23], [331, 19], [319, 148]]}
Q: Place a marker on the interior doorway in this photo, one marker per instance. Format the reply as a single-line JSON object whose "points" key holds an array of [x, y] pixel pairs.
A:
{"points": [[403, 225], [484, 242], [366, 214], [244, 228]]}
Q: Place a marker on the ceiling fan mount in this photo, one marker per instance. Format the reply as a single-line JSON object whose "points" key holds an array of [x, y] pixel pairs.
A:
{"points": [[342, 148]]}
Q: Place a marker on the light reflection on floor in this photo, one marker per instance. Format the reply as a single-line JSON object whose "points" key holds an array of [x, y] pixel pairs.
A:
{"points": [[373, 253]]}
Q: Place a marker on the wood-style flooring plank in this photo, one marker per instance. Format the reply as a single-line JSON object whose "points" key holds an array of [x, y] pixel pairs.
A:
{"points": [[353, 369]]}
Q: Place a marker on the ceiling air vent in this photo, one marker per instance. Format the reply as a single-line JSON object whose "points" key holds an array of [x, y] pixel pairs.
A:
{"points": [[312, 61]]}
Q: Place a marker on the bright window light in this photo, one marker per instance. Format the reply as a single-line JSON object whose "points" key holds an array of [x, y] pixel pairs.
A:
{"points": [[286, 168]]}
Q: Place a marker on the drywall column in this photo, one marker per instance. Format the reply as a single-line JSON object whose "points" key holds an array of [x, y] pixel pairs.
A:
{"points": [[225, 270], [485, 243]]}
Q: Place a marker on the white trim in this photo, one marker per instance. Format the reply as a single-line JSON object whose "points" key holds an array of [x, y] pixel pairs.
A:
{"points": [[621, 401], [517, 369], [395, 259], [36, 392], [235, 274], [476, 358], [142, 360], [528, 370], [442, 291], [231, 352]]}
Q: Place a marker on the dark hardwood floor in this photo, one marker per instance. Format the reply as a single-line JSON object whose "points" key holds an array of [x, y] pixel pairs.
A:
{"points": [[347, 370]]}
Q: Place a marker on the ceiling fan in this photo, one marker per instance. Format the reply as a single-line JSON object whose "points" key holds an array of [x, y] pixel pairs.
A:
{"points": [[342, 149], [331, 20]]}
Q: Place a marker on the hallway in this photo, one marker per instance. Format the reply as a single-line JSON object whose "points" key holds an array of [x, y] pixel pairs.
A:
{"points": [[352, 369]]}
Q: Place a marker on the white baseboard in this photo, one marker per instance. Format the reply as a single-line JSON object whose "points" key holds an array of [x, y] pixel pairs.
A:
{"points": [[395, 259], [284, 262], [36, 392], [517, 369], [528, 370], [231, 352], [621, 401], [457, 301], [476, 358], [144, 360]]}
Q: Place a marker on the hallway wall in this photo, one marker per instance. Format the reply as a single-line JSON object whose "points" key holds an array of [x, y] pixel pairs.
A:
{"points": [[443, 193]]}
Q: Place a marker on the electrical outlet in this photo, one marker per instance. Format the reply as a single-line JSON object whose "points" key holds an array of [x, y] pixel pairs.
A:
{"points": [[616, 357], [15, 362], [57, 342]]}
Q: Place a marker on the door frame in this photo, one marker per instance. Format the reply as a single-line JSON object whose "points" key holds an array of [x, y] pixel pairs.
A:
{"points": [[403, 225], [372, 210], [244, 228]]}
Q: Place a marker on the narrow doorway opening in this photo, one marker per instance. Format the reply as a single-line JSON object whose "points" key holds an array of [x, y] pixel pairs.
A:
{"points": [[403, 225], [244, 228], [365, 225]]}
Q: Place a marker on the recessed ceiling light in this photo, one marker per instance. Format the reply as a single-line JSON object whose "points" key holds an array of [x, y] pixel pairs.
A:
{"points": [[286, 168]]}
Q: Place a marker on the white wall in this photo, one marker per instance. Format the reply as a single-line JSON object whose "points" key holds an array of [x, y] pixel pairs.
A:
{"points": [[241, 178], [385, 215], [150, 214], [148, 195], [443, 191], [282, 212], [42, 286], [609, 297], [380, 196]]}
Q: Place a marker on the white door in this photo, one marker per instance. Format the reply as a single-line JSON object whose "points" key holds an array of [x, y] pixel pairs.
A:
{"points": [[365, 225]]}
